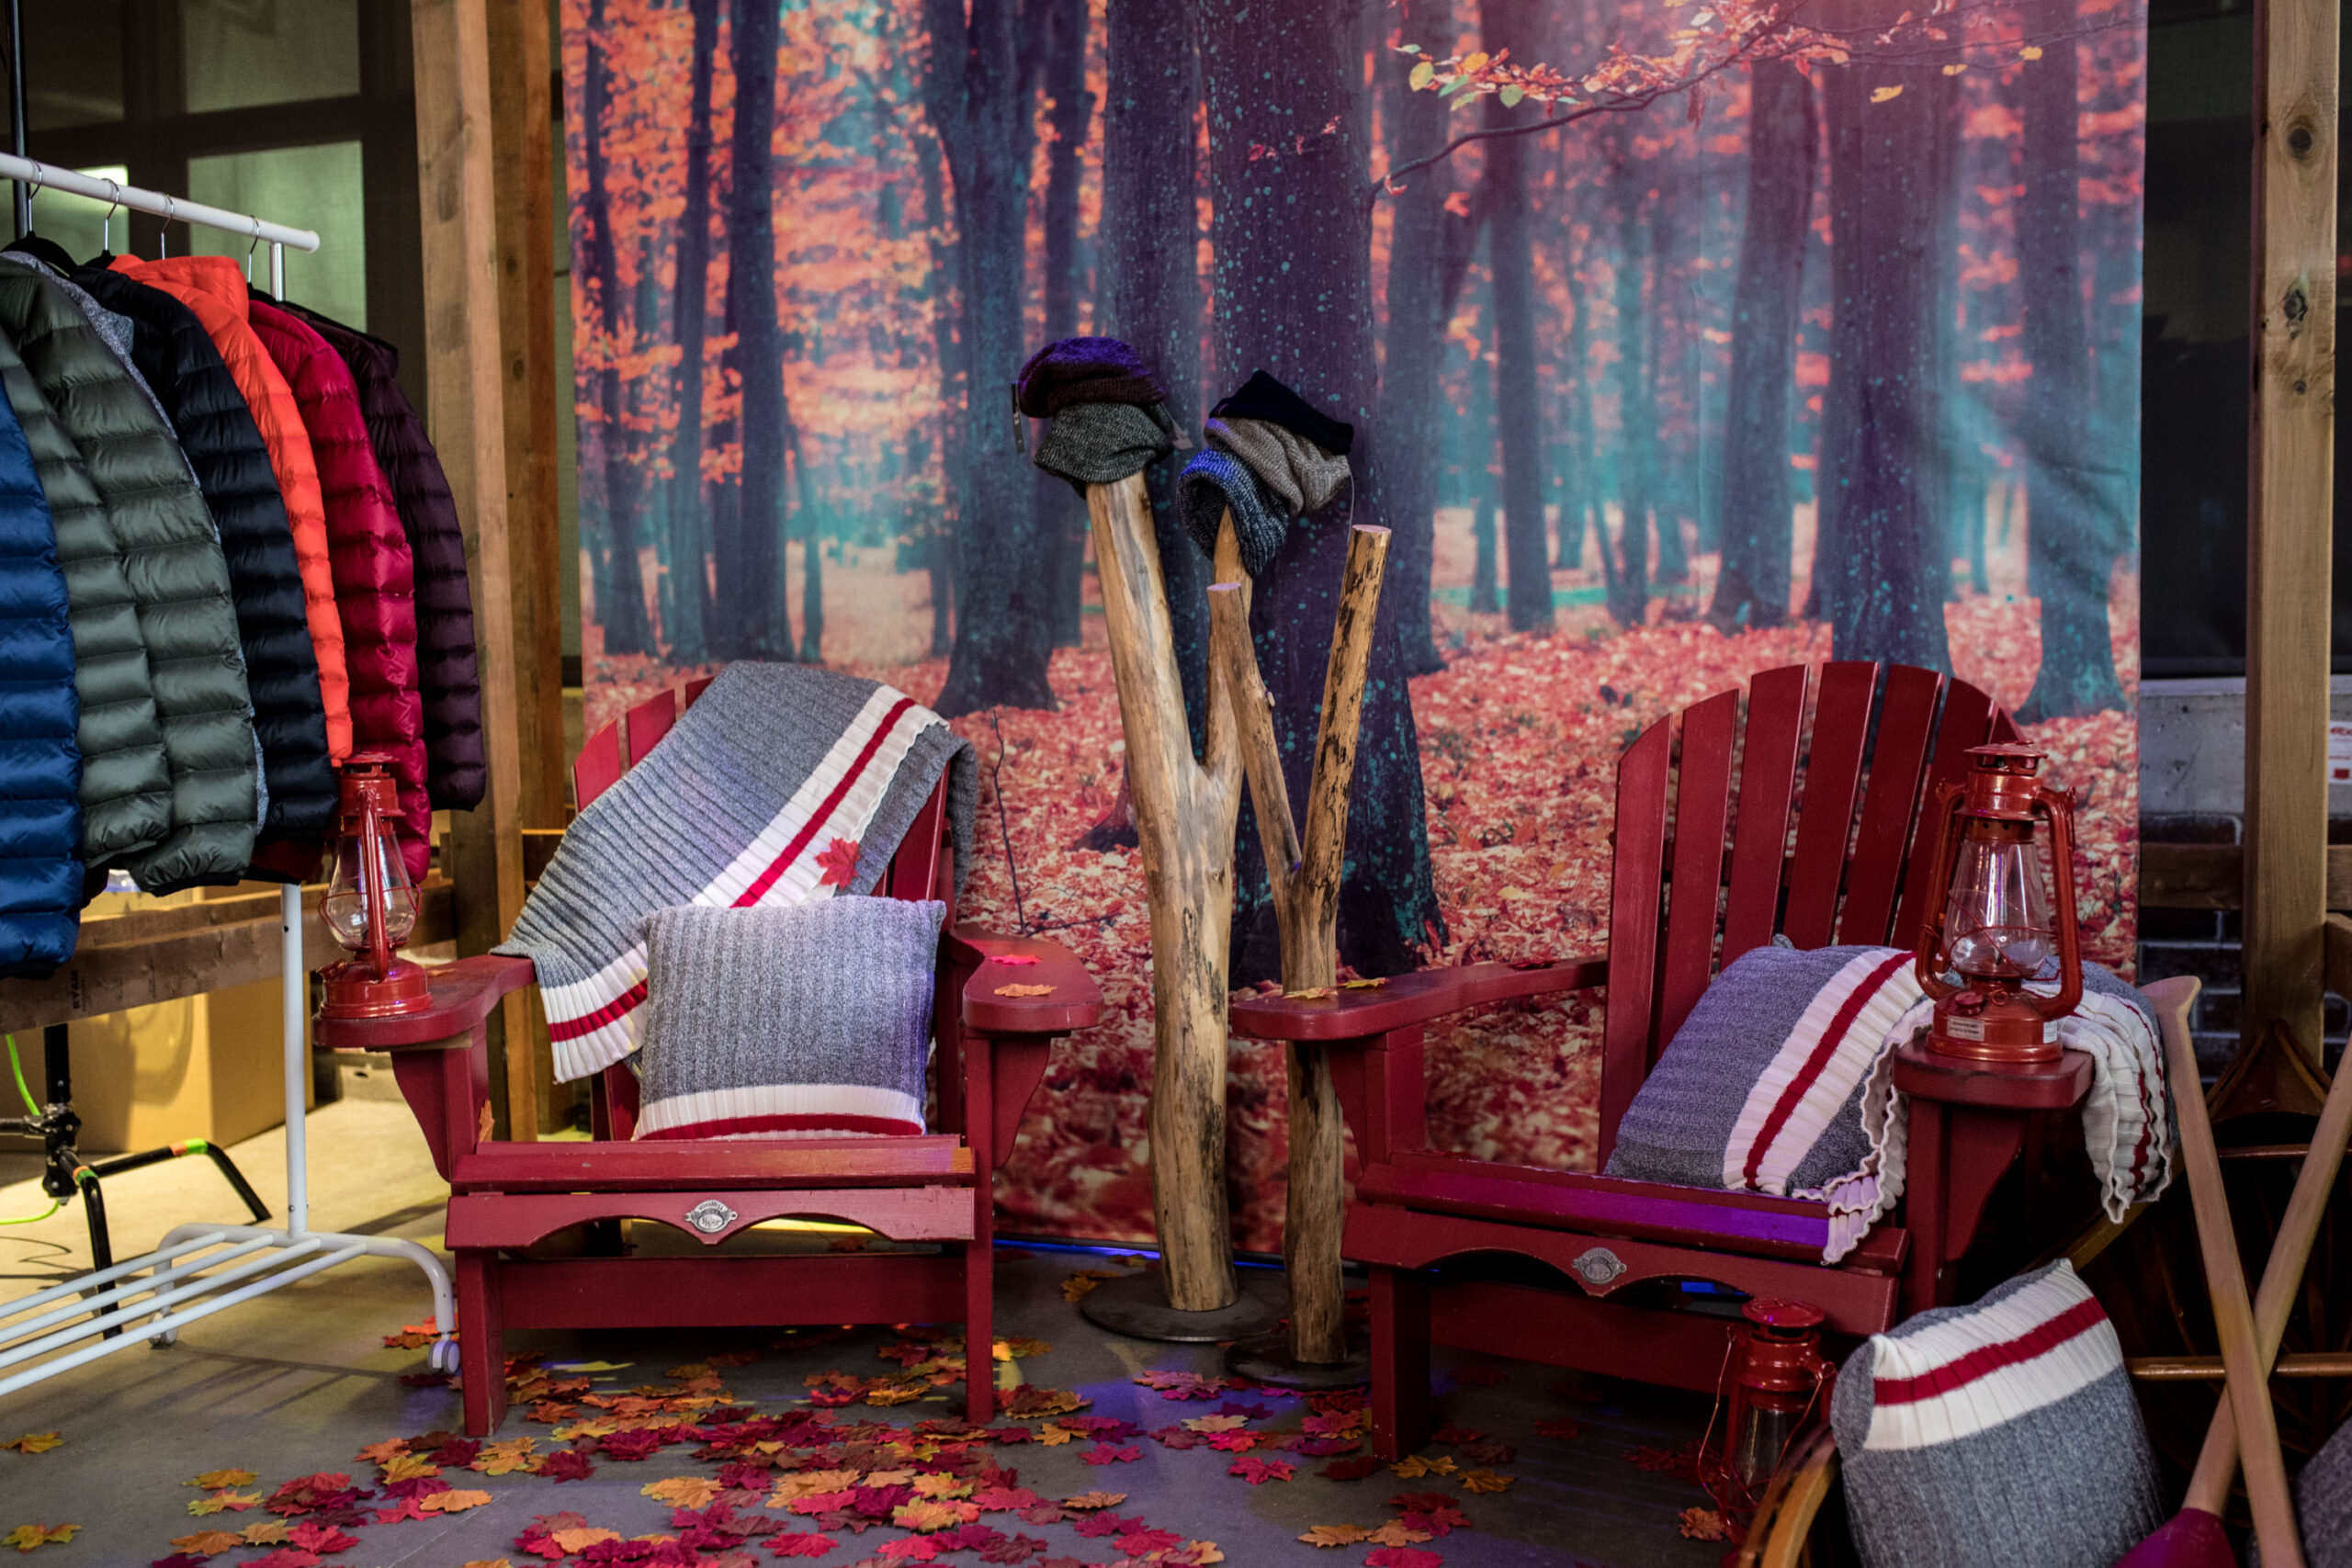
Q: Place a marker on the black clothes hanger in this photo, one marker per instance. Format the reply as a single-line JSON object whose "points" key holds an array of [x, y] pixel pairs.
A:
{"points": [[40, 247]]}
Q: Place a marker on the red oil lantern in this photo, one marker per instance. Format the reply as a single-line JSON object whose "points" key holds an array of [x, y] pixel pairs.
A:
{"points": [[1996, 928], [370, 905], [1780, 1380]]}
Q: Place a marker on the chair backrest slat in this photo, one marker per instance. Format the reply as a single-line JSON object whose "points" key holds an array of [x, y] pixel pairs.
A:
{"points": [[1701, 811], [649, 721], [1833, 767], [1768, 776], [1906, 723], [1967, 721], [599, 766], [1634, 884]]}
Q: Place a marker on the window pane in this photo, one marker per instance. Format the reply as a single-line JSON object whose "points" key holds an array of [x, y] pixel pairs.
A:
{"points": [[71, 220], [303, 187], [242, 53], [73, 62]]}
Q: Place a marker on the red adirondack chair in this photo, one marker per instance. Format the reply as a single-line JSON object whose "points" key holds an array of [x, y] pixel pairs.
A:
{"points": [[1684, 900], [507, 1197]]}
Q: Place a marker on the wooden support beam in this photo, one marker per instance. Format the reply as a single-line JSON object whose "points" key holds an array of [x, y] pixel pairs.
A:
{"points": [[2212, 876], [2290, 515], [465, 407], [522, 64]]}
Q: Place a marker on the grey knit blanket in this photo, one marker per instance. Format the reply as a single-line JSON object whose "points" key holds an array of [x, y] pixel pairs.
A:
{"points": [[781, 784]]}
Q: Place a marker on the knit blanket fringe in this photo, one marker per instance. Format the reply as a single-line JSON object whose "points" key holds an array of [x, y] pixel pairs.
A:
{"points": [[782, 785]]}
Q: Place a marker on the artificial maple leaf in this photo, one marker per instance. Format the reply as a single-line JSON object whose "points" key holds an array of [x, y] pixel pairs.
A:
{"points": [[1402, 1557], [1308, 994], [682, 1490], [1081, 1284], [409, 1467], [412, 1336], [579, 1538], [221, 1480], [1487, 1480], [1413, 1467], [1092, 1500], [506, 1458], [1335, 1534], [1012, 1549], [208, 1543], [285, 1557], [1490, 1454], [566, 1464], [488, 1562], [1258, 1472], [322, 1538], [1036, 1399], [1454, 1437], [938, 1483], [25, 1537], [1350, 1469], [1215, 1423], [1054, 1436], [802, 1545], [452, 1502], [1396, 1533], [1197, 1554], [233, 1501], [1703, 1524], [840, 861], [909, 1549], [1018, 1349], [264, 1532], [1112, 1454], [35, 1443], [808, 1482], [1026, 990], [926, 1514], [374, 1453]]}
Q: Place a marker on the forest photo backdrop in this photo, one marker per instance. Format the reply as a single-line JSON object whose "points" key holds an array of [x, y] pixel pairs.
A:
{"points": [[1682, 340]]}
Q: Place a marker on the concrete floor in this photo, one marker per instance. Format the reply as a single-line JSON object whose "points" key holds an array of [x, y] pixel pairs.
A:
{"points": [[298, 1381]]}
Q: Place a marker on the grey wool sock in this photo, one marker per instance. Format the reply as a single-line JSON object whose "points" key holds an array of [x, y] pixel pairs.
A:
{"points": [[1102, 443], [1294, 471]]}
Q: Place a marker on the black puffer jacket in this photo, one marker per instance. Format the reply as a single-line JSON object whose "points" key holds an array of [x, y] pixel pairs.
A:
{"points": [[172, 350], [449, 673], [178, 577]]}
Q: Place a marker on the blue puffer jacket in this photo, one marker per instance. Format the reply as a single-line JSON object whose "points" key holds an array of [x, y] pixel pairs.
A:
{"points": [[41, 767]]}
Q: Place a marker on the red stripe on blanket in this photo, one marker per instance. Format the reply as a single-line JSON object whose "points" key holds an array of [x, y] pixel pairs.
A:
{"points": [[1987, 1360], [818, 818], [739, 1126], [1823, 1051], [588, 1023]]}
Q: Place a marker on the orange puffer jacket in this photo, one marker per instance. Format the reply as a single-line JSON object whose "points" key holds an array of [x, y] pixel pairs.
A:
{"points": [[215, 290]]}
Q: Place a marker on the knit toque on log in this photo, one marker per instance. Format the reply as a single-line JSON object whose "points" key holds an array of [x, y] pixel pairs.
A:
{"points": [[1294, 471], [1216, 480], [1100, 444], [1075, 370], [1262, 397]]}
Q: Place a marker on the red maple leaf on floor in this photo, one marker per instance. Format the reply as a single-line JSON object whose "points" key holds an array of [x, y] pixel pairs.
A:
{"points": [[566, 1464], [840, 861], [1258, 1472]]}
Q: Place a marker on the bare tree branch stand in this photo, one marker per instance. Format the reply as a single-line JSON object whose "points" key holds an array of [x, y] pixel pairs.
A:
{"points": [[1184, 812], [1304, 876]]}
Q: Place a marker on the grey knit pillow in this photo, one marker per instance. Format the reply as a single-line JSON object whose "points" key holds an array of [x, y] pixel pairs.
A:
{"points": [[800, 1021], [2002, 1432]]}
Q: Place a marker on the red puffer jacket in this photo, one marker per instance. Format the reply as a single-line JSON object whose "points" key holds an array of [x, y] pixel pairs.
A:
{"points": [[375, 585]]}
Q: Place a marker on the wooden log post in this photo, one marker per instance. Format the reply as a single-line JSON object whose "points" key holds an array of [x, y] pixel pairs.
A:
{"points": [[1303, 872], [465, 411], [1185, 812], [2289, 515]]}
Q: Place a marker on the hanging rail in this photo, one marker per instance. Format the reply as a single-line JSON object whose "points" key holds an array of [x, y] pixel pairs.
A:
{"points": [[44, 177]]}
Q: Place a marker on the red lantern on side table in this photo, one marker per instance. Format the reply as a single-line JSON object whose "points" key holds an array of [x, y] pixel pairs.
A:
{"points": [[1996, 928], [370, 905]]}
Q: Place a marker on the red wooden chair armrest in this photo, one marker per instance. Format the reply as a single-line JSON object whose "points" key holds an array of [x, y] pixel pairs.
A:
{"points": [[463, 995], [1924, 1075], [1404, 1000], [1075, 1001]]}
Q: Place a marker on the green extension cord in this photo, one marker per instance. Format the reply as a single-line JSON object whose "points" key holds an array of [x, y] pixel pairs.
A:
{"points": [[16, 1065]]}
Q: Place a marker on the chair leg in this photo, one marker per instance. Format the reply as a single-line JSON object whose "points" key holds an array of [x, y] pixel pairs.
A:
{"points": [[979, 1330], [481, 1350], [1400, 1360]]}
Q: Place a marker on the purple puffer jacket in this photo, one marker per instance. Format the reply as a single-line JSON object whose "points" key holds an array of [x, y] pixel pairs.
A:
{"points": [[447, 669]]}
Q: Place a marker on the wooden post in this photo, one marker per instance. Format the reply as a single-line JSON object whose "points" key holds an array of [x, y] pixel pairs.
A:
{"points": [[2289, 516], [465, 410], [522, 130], [1304, 876], [1185, 812]]}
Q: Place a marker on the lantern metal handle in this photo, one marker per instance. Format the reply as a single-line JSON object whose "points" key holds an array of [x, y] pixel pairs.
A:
{"points": [[2056, 806]]}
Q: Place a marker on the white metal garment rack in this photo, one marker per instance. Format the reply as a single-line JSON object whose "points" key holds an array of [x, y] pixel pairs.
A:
{"points": [[203, 1269]]}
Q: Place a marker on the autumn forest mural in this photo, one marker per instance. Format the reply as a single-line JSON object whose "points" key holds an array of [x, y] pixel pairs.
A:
{"points": [[1683, 339]]}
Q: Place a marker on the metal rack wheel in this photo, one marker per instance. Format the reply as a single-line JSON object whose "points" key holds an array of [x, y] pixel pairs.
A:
{"points": [[1801, 1522]]}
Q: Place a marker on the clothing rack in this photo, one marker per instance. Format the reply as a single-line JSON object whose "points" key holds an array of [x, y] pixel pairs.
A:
{"points": [[201, 1269]]}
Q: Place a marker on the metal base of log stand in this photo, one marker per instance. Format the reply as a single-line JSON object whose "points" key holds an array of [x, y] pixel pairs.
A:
{"points": [[1266, 1359], [1136, 1306]]}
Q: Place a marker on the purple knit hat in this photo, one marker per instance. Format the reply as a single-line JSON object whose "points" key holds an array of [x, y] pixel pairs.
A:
{"points": [[1084, 370]]}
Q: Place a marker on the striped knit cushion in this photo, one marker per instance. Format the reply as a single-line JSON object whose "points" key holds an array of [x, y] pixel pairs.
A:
{"points": [[1761, 1088], [808, 1020], [2002, 1432]]}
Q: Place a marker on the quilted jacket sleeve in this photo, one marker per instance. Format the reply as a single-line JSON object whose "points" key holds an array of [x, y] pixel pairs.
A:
{"points": [[178, 577], [374, 578], [223, 445], [40, 768], [125, 789], [449, 673]]}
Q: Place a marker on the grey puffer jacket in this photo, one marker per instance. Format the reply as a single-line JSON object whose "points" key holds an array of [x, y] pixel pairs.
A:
{"points": [[171, 557]]}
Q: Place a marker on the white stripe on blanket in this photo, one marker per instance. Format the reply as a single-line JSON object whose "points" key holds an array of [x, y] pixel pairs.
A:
{"points": [[832, 1100], [1879, 997], [618, 986]]}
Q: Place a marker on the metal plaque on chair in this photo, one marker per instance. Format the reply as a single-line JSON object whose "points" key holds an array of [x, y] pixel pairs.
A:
{"points": [[710, 1216], [1598, 1268]]}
